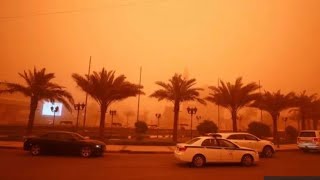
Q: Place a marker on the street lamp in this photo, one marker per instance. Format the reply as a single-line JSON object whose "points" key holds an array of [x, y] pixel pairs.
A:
{"points": [[54, 109], [158, 116], [112, 113], [78, 107], [191, 111]]}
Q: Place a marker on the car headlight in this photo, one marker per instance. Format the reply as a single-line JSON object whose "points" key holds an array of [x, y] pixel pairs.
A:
{"points": [[98, 146]]}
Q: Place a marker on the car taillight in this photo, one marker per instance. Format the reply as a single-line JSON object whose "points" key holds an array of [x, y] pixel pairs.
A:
{"points": [[298, 139], [182, 148], [316, 139]]}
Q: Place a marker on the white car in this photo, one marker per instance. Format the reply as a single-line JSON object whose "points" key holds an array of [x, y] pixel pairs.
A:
{"points": [[207, 149], [264, 147], [309, 140]]}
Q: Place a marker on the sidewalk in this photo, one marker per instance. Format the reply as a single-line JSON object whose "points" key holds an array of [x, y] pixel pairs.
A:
{"points": [[135, 149]]}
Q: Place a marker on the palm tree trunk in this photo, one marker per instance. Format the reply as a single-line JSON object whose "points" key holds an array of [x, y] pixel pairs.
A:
{"points": [[275, 128], [315, 124], [303, 122], [234, 120], [175, 121], [103, 110], [33, 108]]}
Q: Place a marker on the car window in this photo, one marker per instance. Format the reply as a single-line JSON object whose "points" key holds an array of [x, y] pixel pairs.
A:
{"points": [[192, 141], [237, 137], [250, 137], [233, 136], [65, 137], [209, 142], [78, 136], [307, 134], [224, 143], [49, 136]]}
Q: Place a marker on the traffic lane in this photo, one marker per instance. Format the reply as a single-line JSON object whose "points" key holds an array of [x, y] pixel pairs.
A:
{"points": [[16, 164]]}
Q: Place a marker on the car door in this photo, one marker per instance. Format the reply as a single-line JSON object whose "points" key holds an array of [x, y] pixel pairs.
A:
{"points": [[67, 143], [251, 141], [49, 142], [211, 150], [227, 150], [238, 139]]}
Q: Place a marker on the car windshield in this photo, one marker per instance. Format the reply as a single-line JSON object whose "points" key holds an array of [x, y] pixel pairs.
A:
{"points": [[307, 134], [78, 136], [192, 141]]}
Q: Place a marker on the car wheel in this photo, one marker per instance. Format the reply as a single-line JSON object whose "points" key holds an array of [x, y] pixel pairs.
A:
{"points": [[198, 161], [267, 152], [247, 160], [86, 151], [35, 150]]}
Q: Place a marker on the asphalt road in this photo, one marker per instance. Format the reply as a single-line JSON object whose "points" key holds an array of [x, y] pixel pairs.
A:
{"points": [[17, 164]]}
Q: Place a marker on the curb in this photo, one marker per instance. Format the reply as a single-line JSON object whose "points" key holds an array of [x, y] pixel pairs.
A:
{"points": [[286, 150], [139, 152], [108, 152], [143, 152], [10, 147]]}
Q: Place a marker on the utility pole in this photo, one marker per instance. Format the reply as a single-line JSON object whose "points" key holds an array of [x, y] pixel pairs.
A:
{"points": [[139, 95], [260, 95], [85, 109], [218, 109]]}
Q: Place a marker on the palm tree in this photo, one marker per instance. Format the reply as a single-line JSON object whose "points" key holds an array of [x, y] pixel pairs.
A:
{"points": [[39, 87], [105, 88], [177, 91], [274, 103], [305, 104], [233, 97]]}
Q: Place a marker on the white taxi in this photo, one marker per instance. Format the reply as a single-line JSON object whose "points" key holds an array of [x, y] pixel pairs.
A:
{"points": [[207, 149], [264, 147]]}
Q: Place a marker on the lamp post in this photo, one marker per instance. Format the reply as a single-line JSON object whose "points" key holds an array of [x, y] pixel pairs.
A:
{"points": [[191, 111], [112, 113], [158, 116], [54, 109], [78, 107]]}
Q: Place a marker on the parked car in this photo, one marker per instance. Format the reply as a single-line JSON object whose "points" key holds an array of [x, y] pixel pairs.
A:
{"points": [[206, 149], [309, 140], [264, 147], [63, 142]]}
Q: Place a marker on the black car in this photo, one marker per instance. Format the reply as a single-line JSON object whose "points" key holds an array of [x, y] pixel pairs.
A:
{"points": [[63, 142]]}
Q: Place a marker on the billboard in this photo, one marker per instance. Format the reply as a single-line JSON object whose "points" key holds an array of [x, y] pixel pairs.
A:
{"points": [[48, 108]]}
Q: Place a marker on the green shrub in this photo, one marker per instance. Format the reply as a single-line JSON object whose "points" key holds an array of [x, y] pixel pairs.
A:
{"points": [[291, 133], [259, 129], [207, 126]]}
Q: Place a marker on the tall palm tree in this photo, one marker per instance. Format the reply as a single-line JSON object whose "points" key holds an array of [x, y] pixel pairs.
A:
{"points": [[177, 91], [106, 88], [305, 104], [39, 87], [233, 97], [274, 103]]}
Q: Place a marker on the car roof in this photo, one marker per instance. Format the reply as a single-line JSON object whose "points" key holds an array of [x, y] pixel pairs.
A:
{"points": [[61, 132], [229, 133], [310, 131]]}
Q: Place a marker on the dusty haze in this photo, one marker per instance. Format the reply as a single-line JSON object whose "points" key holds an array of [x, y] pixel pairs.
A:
{"points": [[274, 41]]}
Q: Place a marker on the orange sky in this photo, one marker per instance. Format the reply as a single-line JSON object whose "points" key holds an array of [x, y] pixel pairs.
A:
{"points": [[274, 41]]}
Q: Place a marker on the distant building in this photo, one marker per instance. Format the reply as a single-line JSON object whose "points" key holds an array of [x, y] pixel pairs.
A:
{"points": [[13, 111]]}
